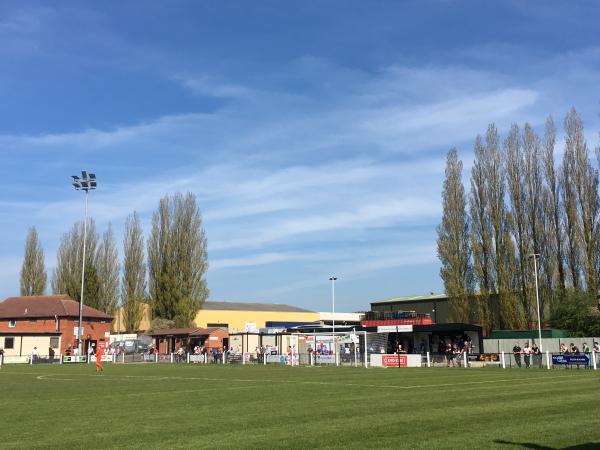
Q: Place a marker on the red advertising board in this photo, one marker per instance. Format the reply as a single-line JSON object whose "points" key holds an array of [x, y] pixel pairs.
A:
{"points": [[393, 360]]}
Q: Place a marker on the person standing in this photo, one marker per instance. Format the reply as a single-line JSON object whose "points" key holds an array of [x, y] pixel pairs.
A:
{"points": [[517, 354], [34, 354], [1, 357], [527, 355], [537, 355], [99, 354], [51, 354], [588, 354]]}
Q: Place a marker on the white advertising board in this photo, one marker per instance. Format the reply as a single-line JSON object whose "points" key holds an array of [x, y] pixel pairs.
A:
{"points": [[402, 360]]}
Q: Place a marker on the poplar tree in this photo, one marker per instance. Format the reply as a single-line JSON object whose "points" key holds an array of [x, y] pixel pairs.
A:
{"points": [[134, 273], [516, 173], [66, 278], [587, 204], [177, 260], [535, 221], [503, 255], [480, 236], [33, 271], [553, 211], [107, 267], [453, 242]]}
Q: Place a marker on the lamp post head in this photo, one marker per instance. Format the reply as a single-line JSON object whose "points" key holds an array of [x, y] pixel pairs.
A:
{"points": [[87, 182], [332, 278]]}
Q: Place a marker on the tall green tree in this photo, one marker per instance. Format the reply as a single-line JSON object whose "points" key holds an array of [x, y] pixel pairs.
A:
{"points": [[33, 271], [177, 259], [453, 243], [107, 267], [134, 273], [66, 277]]}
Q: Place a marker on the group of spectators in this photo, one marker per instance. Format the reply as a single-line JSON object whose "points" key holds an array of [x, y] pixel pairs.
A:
{"points": [[216, 354], [528, 353], [533, 356], [455, 352]]}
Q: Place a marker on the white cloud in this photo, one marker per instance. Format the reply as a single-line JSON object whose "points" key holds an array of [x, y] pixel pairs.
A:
{"points": [[213, 87]]}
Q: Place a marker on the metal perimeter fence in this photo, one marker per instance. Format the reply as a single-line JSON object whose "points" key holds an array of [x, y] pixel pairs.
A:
{"points": [[357, 349]]}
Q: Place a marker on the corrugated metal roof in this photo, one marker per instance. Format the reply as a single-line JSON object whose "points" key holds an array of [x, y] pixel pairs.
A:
{"points": [[46, 306], [241, 306], [414, 298]]}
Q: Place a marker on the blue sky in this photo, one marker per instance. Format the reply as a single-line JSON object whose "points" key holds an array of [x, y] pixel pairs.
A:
{"points": [[314, 134]]}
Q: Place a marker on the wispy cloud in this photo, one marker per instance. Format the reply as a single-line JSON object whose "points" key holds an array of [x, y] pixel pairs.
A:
{"points": [[211, 86]]}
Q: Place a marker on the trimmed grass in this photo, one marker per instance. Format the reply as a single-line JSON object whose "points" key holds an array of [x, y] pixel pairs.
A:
{"points": [[139, 406]]}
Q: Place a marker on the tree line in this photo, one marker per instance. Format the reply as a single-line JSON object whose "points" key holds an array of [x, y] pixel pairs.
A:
{"points": [[168, 272], [522, 205]]}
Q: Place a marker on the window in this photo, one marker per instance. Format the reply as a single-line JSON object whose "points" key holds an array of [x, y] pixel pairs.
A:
{"points": [[9, 342], [218, 325], [12, 324], [54, 342]]}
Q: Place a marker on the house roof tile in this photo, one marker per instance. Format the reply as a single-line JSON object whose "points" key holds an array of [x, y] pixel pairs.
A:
{"points": [[46, 306]]}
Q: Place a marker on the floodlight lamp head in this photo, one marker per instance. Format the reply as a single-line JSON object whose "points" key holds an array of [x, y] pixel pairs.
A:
{"points": [[332, 278]]}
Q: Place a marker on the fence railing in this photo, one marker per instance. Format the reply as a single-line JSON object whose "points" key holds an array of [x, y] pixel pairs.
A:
{"points": [[503, 360]]}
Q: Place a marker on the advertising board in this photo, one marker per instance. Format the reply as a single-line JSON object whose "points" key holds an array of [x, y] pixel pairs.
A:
{"points": [[571, 360], [404, 360]]}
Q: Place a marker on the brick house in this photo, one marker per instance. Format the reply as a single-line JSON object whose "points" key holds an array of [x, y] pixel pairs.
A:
{"points": [[48, 321]]}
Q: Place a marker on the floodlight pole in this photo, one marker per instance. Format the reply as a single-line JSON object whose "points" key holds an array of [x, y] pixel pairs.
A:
{"points": [[86, 183], [82, 276], [333, 279], [537, 297]]}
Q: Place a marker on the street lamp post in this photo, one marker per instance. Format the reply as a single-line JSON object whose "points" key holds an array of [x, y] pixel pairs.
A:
{"points": [[537, 298], [333, 280], [87, 182]]}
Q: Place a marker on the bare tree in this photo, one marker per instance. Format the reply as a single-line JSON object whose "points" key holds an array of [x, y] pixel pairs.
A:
{"points": [[503, 256], [517, 188], [33, 271], [587, 204], [553, 211], [134, 273], [453, 242], [480, 236], [536, 221], [570, 219]]}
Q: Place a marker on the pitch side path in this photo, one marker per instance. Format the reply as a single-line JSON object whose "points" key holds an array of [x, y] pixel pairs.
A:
{"points": [[198, 406]]}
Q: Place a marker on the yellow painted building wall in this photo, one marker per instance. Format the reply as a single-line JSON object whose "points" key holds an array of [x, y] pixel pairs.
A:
{"points": [[236, 320]]}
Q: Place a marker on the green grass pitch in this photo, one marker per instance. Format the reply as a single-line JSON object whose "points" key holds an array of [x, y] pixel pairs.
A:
{"points": [[196, 406]]}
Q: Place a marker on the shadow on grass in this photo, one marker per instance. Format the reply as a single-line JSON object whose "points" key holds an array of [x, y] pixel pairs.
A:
{"points": [[586, 446]]}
